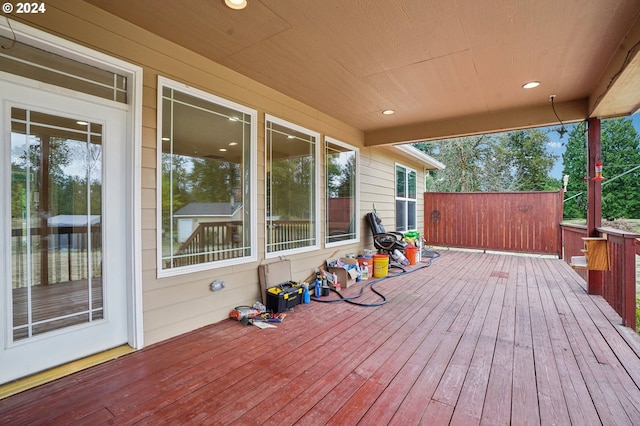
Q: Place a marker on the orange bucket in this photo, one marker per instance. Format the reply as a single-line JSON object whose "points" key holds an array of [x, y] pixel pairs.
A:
{"points": [[369, 262], [411, 254]]}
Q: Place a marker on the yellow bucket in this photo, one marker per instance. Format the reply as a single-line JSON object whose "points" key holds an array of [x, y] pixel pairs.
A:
{"points": [[380, 265]]}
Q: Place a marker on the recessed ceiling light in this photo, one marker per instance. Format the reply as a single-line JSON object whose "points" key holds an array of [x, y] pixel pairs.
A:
{"points": [[233, 143], [531, 84], [223, 149], [388, 112], [290, 137], [166, 139], [232, 118], [82, 123], [236, 4]]}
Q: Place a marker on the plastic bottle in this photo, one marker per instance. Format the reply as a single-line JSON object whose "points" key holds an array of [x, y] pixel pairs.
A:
{"points": [[399, 257], [306, 297], [365, 271], [318, 290]]}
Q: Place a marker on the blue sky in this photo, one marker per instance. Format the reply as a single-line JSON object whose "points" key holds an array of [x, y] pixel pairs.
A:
{"points": [[556, 146]]}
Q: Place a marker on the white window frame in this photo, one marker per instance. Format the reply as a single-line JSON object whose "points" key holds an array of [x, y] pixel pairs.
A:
{"points": [[169, 272], [356, 223], [134, 73], [406, 199], [270, 118]]}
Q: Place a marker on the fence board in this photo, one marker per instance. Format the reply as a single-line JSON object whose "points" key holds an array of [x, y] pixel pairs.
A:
{"points": [[527, 222]]}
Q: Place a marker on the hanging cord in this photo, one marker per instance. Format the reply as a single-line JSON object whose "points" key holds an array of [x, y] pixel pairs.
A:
{"points": [[371, 284], [562, 130], [13, 35]]}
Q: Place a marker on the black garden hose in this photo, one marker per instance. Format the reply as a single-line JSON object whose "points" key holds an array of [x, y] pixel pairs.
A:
{"points": [[372, 283]]}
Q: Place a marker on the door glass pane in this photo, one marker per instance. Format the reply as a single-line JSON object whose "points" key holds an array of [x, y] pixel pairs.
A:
{"points": [[56, 238]]}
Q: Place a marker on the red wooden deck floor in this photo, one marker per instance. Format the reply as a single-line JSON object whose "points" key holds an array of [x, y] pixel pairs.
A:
{"points": [[472, 339]]}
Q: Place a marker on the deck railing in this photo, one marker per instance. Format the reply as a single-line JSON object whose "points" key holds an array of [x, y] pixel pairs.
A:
{"points": [[617, 284], [57, 254]]}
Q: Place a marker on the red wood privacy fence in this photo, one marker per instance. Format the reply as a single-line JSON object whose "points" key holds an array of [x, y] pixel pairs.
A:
{"points": [[526, 222]]}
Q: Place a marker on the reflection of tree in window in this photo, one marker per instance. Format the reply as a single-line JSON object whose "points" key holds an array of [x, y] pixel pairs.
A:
{"points": [[340, 181], [215, 181], [291, 188], [292, 184]]}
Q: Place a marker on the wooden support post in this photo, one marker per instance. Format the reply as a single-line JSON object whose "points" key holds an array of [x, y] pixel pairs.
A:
{"points": [[594, 198]]}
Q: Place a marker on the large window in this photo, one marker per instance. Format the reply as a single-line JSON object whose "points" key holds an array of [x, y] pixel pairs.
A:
{"points": [[341, 168], [291, 187], [405, 199], [206, 180]]}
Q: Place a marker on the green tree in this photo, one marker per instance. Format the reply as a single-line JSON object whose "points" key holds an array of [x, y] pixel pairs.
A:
{"points": [[513, 161], [462, 157], [528, 158], [620, 146]]}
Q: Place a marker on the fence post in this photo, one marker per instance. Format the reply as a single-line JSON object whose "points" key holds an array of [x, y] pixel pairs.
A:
{"points": [[594, 198]]}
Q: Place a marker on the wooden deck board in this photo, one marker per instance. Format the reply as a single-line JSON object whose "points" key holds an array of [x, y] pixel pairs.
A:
{"points": [[473, 339], [525, 404]]}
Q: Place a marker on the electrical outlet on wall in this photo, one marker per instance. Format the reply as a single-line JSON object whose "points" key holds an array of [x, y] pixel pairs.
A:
{"points": [[217, 285]]}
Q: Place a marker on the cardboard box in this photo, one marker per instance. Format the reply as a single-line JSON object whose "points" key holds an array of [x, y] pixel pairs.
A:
{"points": [[272, 275], [346, 277]]}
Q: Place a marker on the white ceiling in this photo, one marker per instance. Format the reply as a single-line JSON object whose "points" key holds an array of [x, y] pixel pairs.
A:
{"points": [[447, 67]]}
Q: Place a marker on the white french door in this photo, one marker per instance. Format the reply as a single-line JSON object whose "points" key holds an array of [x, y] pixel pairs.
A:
{"points": [[63, 235]]}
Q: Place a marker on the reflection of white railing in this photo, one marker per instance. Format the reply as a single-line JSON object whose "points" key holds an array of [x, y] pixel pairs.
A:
{"points": [[288, 234], [209, 242], [212, 241], [67, 254]]}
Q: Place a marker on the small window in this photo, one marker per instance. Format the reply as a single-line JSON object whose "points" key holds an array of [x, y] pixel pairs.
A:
{"points": [[292, 154], [206, 180], [36, 64], [341, 169], [406, 201]]}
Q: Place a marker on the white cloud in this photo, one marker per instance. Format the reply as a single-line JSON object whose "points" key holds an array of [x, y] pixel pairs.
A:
{"points": [[556, 145]]}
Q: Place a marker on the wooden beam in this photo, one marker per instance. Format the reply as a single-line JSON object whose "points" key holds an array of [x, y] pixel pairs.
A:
{"points": [[617, 92], [542, 115]]}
